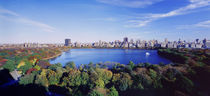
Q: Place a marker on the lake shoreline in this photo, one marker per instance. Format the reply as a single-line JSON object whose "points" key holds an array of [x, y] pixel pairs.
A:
{"points": [[55, 56]]}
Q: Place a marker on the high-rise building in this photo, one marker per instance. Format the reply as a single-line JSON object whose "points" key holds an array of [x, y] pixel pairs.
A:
{"points": [[67, 42], [125, 40], [204, 41], [207, 44], [166, 40], [131, 41], [179, 41], [197, 40]]}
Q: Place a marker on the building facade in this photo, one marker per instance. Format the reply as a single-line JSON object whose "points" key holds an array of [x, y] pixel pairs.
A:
{"points": [[67, 42]]}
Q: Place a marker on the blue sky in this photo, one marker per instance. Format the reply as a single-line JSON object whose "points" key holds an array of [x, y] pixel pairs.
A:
{"points": [[51, 21]]}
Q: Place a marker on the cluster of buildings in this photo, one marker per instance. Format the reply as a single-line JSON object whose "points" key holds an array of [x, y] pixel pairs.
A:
{"points": [[125, 43], [28, 45], [141, 44]]}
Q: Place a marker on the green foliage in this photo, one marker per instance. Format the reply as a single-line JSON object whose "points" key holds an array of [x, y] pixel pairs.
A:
{"points": [[99, 83], [184, 83], [10, 65], [70, 64], [55, 66], [104, 74], [152, 74], [75, 78], [24, 68], [131, 64], [37, 67], [173, 55], [17, 59], [113, 92], [53, 77], [84, 78], [95, 93], [81, 67], [100, 77], [27, 79], [42, 79], [123, 81], [170, 74], [144, 80], [94, 80], [147, 65], [156, 78]]}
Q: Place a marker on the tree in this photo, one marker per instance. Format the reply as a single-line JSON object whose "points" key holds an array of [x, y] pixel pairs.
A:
{"points": [[37, 67], [122, 81], [147, 65], [113, 92], [143, 81], [70, 64], [75, 78], [90, 65], [137, 82], [10, 65], [184, 83], [95, 93], [131, 64], [27, 79], [100, 77], [156, 78], [42, 79], [55, 66], [152, 74], [104, 74], [81, 67], [53, 77], [170, 74], [95, 80], [84, 78], [17, 59], [25, 67]]}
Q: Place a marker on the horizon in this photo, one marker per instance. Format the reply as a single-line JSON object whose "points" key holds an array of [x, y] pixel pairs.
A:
{"points": [[200, 40], [85, 21]]}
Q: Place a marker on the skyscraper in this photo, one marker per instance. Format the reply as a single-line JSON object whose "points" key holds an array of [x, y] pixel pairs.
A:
{"points": [[67, 42], [131, 41], [197, 40], [204, 41], [166, 40], [125, 40]]}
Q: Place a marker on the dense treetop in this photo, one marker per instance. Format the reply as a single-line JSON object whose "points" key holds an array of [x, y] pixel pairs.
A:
{"points": [[187, 76]]}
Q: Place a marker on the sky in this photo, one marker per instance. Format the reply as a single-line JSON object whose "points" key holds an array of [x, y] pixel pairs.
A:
{"points": [[51, 21]]}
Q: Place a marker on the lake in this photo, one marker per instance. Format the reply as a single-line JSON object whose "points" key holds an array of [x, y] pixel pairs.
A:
{"points": [[123, 56]]}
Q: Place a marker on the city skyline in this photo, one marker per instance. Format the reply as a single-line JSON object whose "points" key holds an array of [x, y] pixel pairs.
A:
{"points": [[125, 43], [118, 40], [50, 21]]}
